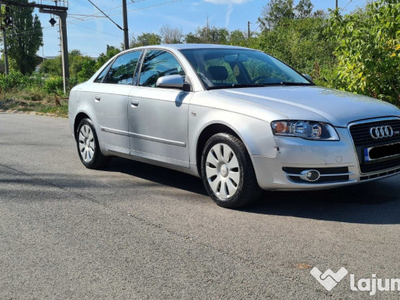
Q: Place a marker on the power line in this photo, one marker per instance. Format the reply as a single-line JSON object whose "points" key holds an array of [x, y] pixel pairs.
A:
{"points": [[347, 5], [103, 32], [105, 14], [98, 16]]}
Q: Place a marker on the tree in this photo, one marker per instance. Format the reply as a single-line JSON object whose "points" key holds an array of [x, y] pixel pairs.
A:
{"points": [[275, 11], [301, 43], [104, 57], [171, 35], [279, 10], [368, 50], [24, 38], [82, 67], [238, 38], [51, 67], [208, 35], [304, 9], [145, 39]]}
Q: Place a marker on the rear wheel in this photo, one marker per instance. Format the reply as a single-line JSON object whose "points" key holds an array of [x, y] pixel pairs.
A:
{"points": [[88, 146], [227, 172]]}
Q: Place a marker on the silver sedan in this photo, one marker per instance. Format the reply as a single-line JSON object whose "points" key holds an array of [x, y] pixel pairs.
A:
{"points": [[238, 118]]}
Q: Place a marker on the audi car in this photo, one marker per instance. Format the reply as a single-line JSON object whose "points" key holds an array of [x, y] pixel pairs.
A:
{"points": [[237, 118]]}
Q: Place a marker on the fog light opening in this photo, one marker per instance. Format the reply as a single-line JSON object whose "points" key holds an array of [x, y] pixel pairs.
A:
{"points": [[310, 175]]}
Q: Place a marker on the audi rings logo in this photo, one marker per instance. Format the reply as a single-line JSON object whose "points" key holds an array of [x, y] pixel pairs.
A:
{"points": [[381, 132]]}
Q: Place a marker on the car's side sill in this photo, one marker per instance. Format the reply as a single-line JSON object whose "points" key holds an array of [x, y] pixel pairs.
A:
{"points": [[143, 137]]}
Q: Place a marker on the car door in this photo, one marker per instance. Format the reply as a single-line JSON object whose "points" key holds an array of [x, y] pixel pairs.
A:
{"points": [[158, 117], [111, 97]]}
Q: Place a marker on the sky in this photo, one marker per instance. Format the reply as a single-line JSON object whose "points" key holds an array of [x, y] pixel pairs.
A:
{"points": [[90, 32]]}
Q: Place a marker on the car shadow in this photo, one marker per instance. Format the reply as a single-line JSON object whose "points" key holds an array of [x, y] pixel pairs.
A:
{"points": [[159, 175], [376, 202]]}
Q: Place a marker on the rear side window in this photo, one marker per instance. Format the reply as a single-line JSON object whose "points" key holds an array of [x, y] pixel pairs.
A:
{"points": [[123, 69], [156, 64]]}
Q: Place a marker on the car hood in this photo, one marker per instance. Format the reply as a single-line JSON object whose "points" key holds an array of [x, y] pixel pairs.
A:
{"points": [[313, 103]]}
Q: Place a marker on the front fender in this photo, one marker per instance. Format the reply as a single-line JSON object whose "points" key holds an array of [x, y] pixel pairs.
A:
{"points": [[256, 134]]}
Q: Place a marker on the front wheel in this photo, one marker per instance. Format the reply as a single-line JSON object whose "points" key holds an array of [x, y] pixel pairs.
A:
{"points": [[227, 172], [88, 146]]}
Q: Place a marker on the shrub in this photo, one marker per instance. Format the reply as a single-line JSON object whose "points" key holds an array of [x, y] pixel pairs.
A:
{"points": [[368, 50], [13, 80], [54, 85]]}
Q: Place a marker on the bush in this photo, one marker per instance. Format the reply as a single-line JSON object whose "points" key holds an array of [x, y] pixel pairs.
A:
{"points": [[13, 80], [368, 50], [54, 85]]}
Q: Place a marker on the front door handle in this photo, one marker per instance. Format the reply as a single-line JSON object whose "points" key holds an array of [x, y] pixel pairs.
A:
{"points": [[97, 98], [134, 102]]}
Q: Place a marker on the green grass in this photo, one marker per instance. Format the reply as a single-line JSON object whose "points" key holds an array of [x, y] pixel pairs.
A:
{"points": [[51, 105]]}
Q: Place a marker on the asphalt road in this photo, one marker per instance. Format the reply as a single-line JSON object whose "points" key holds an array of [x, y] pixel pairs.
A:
{"points": [[135, 231]]}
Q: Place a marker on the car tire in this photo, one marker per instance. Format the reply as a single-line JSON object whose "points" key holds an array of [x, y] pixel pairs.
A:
{"points": [[88, 146], [227, 172]]}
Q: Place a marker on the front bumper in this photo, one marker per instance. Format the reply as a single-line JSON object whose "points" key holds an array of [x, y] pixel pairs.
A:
{"points": [[337, 162]]}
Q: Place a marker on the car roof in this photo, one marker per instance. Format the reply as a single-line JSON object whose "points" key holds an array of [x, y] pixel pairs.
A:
{"points": [[189, 46]]}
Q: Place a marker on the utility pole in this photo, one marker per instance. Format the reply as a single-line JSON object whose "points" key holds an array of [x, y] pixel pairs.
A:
{"points": [[64, 44], [248, 30], [337, 4], [6, 70], [125, 29], [125, 17], [7, 21]]}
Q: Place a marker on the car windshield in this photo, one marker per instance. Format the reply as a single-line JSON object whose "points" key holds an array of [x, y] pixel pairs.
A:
{"points": [[234, 68]]}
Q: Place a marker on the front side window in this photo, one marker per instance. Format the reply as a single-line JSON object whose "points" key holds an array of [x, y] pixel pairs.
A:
{"points": [[123, 69], [231, 68], [158, 63]]}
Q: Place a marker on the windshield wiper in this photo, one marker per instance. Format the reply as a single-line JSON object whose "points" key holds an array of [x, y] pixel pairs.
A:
{"points": [[238, 85], [294, 83], [232, 86]]}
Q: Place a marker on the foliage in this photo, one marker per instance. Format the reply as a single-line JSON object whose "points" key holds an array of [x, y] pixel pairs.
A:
{"points": [[359, 52], [276, 11], [301, 43], [54, 85], [368, 50], [87, 69], [238, 38], [81, 67], [207, 35], [11, 81], [51, 67], [145, 39], [24, 38], [304, 9], [104, 57]]}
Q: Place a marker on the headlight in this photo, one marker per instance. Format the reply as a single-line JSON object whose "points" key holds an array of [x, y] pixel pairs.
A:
{"points": [[305, 129]]}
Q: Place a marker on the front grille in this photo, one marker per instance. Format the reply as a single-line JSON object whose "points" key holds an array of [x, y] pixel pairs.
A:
{"points": [[379, 165], [377, 175], [362, 137], [362, 140]]}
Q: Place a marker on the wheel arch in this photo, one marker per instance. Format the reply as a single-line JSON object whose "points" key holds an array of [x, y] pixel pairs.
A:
{"points": [[205, 135], [79, 117]]}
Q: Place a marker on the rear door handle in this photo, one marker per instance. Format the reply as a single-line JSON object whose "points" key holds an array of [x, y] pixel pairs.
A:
{"points": [[97, 98]]}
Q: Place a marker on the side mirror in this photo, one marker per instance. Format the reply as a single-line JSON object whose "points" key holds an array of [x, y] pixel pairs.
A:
{"points": [[173, 82]]}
